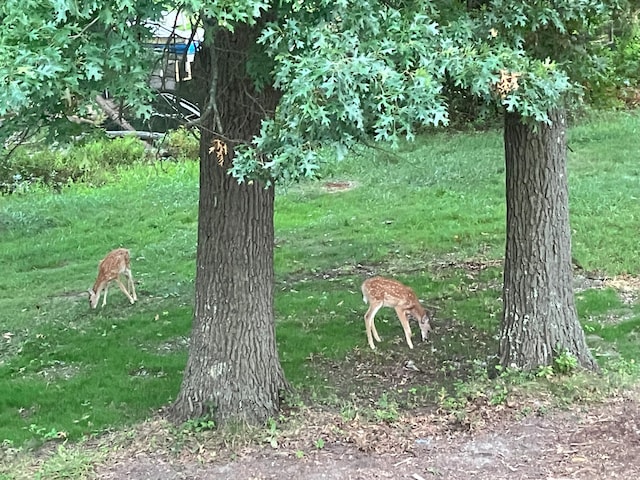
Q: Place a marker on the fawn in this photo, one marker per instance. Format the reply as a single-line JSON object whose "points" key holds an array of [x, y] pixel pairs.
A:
{"points": [[116, 263], [381, 292]]}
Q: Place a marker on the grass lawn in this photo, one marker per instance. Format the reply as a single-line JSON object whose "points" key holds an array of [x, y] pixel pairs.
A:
{"points": [[432, 215]]}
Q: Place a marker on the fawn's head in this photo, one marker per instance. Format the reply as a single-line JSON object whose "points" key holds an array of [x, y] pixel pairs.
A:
{"points": [[424, 321], [93, 298]]}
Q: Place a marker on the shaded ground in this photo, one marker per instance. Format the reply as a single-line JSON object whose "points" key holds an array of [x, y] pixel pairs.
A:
{"points": [[603, 442]]}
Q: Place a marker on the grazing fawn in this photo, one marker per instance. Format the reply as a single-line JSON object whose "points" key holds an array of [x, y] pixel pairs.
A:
{"points": [[116, 263], [381, 292]]}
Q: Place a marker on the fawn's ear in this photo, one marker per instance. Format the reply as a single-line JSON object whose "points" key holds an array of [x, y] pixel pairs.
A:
{"points": [[91, 293]]}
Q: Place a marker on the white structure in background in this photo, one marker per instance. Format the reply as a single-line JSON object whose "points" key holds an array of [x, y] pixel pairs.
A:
{"points": [[174, 37]]}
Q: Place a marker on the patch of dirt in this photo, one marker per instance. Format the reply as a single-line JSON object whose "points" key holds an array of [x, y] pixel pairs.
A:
{"points": [[363, 376], [470, 265], [174, 345], [600, 442], [627, 286], [59, 370], [401, 265], [338, 186]]}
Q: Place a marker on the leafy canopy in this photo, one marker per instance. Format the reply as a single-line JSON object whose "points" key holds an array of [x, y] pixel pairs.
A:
{"points": [[55, 56], [351, 71]]}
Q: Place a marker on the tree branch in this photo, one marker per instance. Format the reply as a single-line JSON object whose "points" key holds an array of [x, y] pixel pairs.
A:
{"points": [[113, 113], [87, 27]]}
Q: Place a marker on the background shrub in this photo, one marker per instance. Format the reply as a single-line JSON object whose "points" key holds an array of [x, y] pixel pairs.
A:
{"points": [[92, 162], [619, 81], [182, 144]]}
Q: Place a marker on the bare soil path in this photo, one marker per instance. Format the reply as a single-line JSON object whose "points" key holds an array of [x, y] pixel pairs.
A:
{"points": [[599, 442]]}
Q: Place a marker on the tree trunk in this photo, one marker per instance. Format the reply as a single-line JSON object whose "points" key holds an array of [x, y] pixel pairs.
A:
{"points": [[540, 319], [233, 372]]}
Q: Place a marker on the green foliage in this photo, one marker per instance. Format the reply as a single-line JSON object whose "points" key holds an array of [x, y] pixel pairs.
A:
{"points": [[182, 144], [46, 434], [545, 371], [198, 425], [623, 69], [356, 71], [351, 72], [564, 363], [272, 434], [67, 462], [56, 56], [623, 373], [227, 13], [365, 70], [626, 58], [386, 409], [574, 35], [537, 23], [563, 30], [93, 162]]}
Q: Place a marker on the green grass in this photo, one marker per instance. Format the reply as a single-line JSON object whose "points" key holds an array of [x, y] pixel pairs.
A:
{"points": [[608, 318], [434, 200], [604, 176], [431, 215], [64, 367]]}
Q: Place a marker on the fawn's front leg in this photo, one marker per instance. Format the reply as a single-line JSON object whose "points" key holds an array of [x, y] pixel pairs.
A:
{"points": [[369, 323], [402, 316]]}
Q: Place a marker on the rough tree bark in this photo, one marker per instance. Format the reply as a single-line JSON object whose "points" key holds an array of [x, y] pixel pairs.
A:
{"points": [[540, 319], [233, 372]]}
